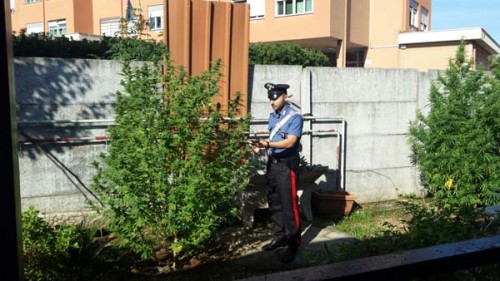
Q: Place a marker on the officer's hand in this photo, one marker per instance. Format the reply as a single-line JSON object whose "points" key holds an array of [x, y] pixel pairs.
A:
{"points": [[254, 146]]}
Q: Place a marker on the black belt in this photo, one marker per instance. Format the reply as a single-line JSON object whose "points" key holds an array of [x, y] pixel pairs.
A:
{"points": [[275, 160]]}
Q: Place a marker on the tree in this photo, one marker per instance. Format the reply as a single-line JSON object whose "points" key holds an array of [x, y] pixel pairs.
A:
{"points": [[456, 146]]}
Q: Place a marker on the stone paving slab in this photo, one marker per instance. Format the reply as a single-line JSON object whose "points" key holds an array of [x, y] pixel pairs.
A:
{"points": [[315, 241]]}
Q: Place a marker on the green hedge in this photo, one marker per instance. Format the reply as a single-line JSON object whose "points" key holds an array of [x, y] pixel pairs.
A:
{"points": [[285, 54], [36, 45]]}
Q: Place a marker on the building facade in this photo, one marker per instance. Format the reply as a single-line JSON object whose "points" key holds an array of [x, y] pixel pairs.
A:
{"points": [[367, 33], [352, 33], [90, 19]]}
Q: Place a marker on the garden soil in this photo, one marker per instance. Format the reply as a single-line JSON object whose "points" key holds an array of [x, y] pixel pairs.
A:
{"points": [[239, 255]]}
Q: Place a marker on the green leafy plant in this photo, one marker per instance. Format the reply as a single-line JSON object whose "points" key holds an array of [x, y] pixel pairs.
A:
{"points": [[63, 252], [176, 162], [456, 146], [285, 53]]}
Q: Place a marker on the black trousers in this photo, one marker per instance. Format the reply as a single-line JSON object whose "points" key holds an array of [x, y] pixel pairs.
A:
{"points": [[282, 178]]}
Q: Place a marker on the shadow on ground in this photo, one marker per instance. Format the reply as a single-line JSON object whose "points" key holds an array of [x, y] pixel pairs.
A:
{"points": [[246, 258]]}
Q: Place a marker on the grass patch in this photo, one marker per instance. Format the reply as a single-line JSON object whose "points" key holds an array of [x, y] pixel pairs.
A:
{"points": [[372, 220]]}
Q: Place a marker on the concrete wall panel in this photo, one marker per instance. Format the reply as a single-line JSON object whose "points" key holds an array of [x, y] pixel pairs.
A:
{"points": [[381, 184], [362, 84], [371, 118], [377, 151], [376, 103], [278, 74], [59, 89]]}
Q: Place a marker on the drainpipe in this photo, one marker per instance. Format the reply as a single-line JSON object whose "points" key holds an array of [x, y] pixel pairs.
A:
{"points": [[43, 18]]}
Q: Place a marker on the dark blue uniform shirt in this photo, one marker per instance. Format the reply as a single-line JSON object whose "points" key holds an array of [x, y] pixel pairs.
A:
{"points": [[293, 126]]}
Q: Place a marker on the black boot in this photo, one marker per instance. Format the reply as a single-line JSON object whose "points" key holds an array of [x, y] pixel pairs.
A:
{"points": [[275, 244], [289, 254]]}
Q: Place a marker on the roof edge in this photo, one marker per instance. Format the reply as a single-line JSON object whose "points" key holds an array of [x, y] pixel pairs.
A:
{"points": [[436, 36]]}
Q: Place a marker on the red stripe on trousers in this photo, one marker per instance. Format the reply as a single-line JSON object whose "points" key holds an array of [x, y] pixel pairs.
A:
{"points": [[294, 199]]}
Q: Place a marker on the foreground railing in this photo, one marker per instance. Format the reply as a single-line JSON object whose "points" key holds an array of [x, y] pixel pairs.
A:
{"points": [[400, 266]]}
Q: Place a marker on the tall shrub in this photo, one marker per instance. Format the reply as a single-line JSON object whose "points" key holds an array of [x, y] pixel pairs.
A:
{"points": [[456, 146], [175, 164]]}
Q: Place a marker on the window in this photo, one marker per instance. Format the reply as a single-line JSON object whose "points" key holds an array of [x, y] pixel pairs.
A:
{"points": [[257, 8], [36, 27], [423, 19], [155, 15], [413, 13], [57, 27], [110, 27], [293, 7], [32, 1]]}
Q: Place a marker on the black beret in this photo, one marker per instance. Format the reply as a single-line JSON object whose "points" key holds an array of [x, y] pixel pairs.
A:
{"points": [[275, 90]]}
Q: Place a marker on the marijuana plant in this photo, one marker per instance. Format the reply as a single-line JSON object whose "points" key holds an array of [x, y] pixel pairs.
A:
{"points": [[176, 162], [456, 146]]}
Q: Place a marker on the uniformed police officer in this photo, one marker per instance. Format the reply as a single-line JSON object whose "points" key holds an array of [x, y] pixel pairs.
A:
{"points": [[285, 130]]}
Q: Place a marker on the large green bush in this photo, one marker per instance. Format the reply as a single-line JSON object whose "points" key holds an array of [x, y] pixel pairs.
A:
{"points": [[175, 164], [286, 54], [456, 146], [457, 150]]}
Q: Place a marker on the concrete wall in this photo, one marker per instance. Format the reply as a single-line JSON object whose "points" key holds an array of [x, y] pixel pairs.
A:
{"points": [[377, 105], [55, 176]]}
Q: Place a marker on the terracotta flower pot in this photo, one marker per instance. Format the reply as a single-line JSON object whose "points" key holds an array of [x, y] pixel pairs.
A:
{"points": [[332, 203]]}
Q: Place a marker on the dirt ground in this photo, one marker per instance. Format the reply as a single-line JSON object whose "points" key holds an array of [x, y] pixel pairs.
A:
{"points": [[238, 255]]}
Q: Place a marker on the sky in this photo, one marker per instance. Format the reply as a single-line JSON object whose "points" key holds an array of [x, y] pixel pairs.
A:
{"points": [[453, 14]]}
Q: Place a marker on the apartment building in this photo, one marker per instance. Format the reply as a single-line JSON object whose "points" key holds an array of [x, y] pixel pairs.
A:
{"points": [[90, 19], [367, 33], [352, 33]]}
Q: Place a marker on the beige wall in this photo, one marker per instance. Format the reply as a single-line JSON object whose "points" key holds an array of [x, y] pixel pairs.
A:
{"points": [[77, 13], [382, 58], [293, 27], [105, 9], [427, 57], [386, 21], [25, 14], [388, 18], [60, 9], [359, 23], [338, 19], [320, 29]]}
